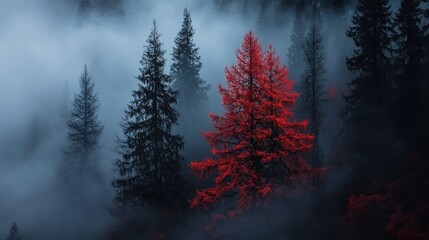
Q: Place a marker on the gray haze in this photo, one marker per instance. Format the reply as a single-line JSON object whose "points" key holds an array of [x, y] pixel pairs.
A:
{"points": [[43, 47]]}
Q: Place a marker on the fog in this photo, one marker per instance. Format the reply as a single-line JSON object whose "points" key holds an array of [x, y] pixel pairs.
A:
{"points": [[43, 47]]}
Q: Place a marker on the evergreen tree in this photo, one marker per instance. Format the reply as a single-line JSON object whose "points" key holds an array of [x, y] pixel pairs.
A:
{"points": [[256, 143], [371, 35], [295, 54], [84, 128], [149, 168], [312, 87], [14, 233], [409, 55], [186, 67], [192, 99], [367, 104]]}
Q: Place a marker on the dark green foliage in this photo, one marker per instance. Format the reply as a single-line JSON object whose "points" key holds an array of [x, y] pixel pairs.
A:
{"points": [[149, 167], [14, 233], [186, 66]]}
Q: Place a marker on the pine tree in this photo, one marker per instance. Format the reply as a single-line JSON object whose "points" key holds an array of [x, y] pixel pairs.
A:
{"points": [[367, 105], [149, 168], [409, 55], [84, 128], [371, 34], [186, 66], [192, 99], [14, 233], [256, 143], [312, 87], [295, 54]]}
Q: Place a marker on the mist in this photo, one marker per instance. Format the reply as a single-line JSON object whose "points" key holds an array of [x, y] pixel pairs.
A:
{"points": [[44, 45]]}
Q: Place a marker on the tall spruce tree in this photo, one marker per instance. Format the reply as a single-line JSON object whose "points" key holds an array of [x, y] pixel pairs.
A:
{"points": [[14, 233], [409, 55], [368, 102], [186, 67], [84, 128], [295, 55], [192, 99], [149, 168], [312, 87]]}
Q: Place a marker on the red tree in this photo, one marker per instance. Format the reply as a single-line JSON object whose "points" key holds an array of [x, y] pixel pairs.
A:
{"points": [[256, 144]]}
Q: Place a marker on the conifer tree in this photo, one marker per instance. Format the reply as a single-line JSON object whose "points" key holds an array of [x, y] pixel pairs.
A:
{"points": [[312, 87], [186, 66], [84, 127], [149, 166], [14, 233], [192, 99], [367, 105], [295, 54], [409, 55], [256, 143]]}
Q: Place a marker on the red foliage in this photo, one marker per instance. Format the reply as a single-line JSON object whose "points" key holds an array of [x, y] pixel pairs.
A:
{"points": [[362, 208], [256, 144], [401, 212], [367, 214]]}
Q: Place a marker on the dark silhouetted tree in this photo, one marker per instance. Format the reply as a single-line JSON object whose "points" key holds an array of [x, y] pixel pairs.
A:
{"points": [[367, 104], [84, 128], [14, 233], [312, 87], [367, 113], [409, 55], [256, 142], [295, 54], [371, 35], [149, 168], [192, 99], [186, 67]]}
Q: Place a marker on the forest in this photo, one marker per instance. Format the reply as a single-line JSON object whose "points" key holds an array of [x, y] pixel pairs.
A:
{"points": [[217, 119]]}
